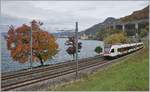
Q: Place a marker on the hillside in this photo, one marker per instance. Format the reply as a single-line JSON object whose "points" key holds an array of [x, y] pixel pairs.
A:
{"points": [[92, 30], [136, 15]]}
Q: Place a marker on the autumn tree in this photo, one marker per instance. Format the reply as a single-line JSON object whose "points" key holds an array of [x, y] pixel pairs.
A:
{"points": [[72, 46], [102, 34], [116, 38], [44, 44]]}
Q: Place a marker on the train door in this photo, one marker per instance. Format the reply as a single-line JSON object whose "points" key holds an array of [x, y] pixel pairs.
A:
{"points": [[113, 52]]}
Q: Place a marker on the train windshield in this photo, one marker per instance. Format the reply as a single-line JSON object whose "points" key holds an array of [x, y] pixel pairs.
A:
{"points": [[107, 48]]}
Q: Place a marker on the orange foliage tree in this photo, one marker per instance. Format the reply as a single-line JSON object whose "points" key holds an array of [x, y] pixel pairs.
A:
{"points": [[44, 44]]}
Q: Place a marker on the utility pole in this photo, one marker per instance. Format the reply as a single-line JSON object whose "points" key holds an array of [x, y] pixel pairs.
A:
{"points": [[136, 33], [76, 40], [31, 47]]}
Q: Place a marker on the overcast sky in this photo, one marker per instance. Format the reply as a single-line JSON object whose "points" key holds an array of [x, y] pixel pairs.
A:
{"points": [[63, 14]]}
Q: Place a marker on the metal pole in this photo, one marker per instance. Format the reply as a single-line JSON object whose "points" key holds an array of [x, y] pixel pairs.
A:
{"points": [[137, 36], [31, 47], [123, 27], [76, 37]]}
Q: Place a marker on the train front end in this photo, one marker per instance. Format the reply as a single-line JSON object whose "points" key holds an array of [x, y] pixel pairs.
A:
{"points": [[110, 51], [106, 52]]}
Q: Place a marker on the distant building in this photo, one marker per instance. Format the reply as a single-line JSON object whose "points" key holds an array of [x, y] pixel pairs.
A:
{"points": [[84, 37]]}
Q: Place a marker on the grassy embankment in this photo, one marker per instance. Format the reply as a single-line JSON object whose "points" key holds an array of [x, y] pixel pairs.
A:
{"points": [[132, 74]]}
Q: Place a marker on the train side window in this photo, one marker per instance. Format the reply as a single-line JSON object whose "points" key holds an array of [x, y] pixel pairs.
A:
{"points": [[118, 49], [112, 50]]}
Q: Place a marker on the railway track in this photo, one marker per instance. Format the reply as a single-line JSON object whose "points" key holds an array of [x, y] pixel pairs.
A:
{"points": [[41, 74], [6, 76], [24, 78]]}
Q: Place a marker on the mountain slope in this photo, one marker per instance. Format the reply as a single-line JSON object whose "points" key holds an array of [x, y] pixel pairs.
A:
{"points": [[92, 30], [137, 15]]}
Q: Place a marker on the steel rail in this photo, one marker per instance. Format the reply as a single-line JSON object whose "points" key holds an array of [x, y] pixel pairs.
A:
{"points": [[45, 68], [49, 76], [40, 74]]}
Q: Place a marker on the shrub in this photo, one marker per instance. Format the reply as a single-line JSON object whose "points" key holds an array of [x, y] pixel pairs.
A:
{"points": [[98, 49]]}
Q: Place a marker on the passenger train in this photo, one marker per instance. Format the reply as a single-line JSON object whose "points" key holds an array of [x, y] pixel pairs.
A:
{"points": [[119, 50]]}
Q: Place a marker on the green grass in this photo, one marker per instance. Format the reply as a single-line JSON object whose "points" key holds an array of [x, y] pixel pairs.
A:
{"points": [[132, 74]]}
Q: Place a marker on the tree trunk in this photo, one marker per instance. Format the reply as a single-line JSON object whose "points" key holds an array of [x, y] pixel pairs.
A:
{"points": [[40, 58], [73, 57], [41, 61]]}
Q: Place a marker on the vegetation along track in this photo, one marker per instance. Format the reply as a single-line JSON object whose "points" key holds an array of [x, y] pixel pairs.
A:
{"points": [[26, 79]]}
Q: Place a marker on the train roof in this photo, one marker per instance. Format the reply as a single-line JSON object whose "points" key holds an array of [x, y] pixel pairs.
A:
{"points": [[126, 45]]}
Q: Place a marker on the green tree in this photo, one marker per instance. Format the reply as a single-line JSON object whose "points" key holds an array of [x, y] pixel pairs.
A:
{"points": [[144, 32], [116, 38], [98, 49], [102, 34]]}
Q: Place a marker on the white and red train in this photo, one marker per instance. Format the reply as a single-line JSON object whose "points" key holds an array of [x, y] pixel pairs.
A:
{"points": [[119, 50]]}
